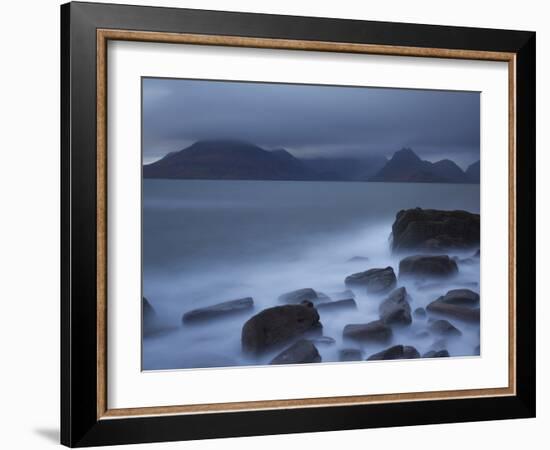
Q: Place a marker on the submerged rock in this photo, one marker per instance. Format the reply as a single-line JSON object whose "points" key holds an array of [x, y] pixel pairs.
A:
{"points": [[348, 293], [301, 352], [436, 354], [421, 266], [434, 230], [395, 352], [151, 324], [358, 259], [323, 340], [395, 309], [350, 354], [219, 310], [422, 334], [420, 313], [376, 281], [445, 328], [277, 325], [376, 331], [337, 305], [148, 311], [459, 304], [299, 295]]}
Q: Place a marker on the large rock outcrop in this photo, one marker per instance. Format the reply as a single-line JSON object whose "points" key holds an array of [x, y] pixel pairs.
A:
{"points": [[427, 267], [434, 230], [277, 325]]}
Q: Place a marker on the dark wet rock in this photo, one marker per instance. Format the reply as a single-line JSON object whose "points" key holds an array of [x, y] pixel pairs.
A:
{"points": [[348, 293], [337, 305], [436, 354], [376, 331], [358, 259], [434, 230], [277, 325], [420, 313], [445, 328], [459, 304], [350, 354], [395, 309], [323, 340], [432, 266], [219, 310], [301, 352], [376, 281], [422, 334], [299, 296], [395, 352]]}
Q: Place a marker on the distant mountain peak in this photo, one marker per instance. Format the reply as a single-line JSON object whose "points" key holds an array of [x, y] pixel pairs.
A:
{"points": [[406, 166], [406, 153]]}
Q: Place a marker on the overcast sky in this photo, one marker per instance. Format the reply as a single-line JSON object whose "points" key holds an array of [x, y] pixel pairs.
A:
{"points": [[311, 120]]}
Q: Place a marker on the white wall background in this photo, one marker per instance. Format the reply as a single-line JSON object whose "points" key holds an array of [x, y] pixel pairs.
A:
{"points": [[29, 228]]}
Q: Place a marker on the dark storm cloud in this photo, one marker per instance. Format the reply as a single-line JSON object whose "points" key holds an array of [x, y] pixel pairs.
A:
{"points": [[311, 120]]}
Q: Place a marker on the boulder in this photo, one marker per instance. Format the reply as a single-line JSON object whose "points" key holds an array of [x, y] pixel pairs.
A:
{"points": [[460, 304], [420, 313], [299, 296], [422, 266], [350, 354], [395, 352], [376, 331], [337, 305], [444, 328], [436, 354], [376, 281], [219, 310], [434, 230], [301, 352], [277, 325], [395, 309]]}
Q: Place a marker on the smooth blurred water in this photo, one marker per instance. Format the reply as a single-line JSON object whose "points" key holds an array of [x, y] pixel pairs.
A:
{"points": [[205, 242]]}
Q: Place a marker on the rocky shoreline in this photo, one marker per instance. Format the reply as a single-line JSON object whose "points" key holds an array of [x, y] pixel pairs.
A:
{"points": [[426, 241]]}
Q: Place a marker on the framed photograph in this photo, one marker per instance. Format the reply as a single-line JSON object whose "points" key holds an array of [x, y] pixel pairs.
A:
{"points": [[276, 224]]}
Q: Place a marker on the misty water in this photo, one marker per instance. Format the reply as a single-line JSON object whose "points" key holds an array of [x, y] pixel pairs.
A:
{"points": [[205, 242]]}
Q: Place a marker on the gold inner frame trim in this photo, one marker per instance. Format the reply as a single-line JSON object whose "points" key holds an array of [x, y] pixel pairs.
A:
{"points": [[103, 36]]}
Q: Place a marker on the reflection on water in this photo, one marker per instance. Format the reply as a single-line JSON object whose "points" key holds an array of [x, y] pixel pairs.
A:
{"points": [[206, 242]]}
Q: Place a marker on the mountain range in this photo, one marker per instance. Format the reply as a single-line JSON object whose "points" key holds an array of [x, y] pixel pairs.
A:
{"points": [[238, 160]]}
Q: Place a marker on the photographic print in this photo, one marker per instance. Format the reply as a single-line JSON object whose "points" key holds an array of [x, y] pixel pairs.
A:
{"points": [[299, 224]]}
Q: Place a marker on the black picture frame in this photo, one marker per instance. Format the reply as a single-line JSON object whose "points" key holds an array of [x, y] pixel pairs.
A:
{"points": [[80, 425]]}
